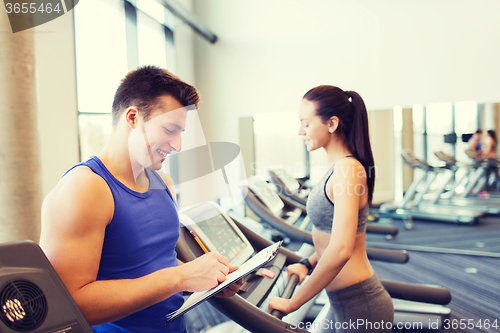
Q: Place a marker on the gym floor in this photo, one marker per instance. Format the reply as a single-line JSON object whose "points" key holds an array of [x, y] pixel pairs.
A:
{"points": [[472, 278]]}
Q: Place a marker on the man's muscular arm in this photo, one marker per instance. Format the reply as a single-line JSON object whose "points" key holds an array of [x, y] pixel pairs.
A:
{"points": [[74, 218]]}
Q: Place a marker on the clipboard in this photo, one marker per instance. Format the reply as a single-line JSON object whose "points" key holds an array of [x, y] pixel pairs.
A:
{"points": [[260, 259]]}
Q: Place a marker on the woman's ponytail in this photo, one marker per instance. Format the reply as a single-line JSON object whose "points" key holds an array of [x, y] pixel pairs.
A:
{"points": [[358, 139]]}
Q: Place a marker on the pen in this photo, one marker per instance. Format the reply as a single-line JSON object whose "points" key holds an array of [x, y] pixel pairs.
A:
{"points": [[198, 240]]}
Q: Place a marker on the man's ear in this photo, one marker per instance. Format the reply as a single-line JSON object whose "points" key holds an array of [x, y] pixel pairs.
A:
{"points": [[132, 116], [333, 124]]}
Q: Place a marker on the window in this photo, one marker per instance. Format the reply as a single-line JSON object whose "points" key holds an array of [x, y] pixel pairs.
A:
{"points": [[466, 121], [100, 53], [151, 41], [100, 64], [106, 50], [398, 146], [439, 121], [418, 114], [96, 130]]}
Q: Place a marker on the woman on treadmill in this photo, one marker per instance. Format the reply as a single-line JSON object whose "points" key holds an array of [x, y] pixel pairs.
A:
{"points": [[490, 155], [337, 121]]}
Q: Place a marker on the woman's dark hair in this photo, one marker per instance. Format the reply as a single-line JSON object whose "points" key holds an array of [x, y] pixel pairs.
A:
{"points": [[142, 87], [493, 135], [350, 109]]}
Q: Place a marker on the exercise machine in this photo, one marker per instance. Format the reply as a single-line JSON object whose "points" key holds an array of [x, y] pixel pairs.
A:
{"points": [[248, 308], [284, 215], [245, 308], [32, 296], [477, 180], [289, 186], [408, 209], [490, 205]]}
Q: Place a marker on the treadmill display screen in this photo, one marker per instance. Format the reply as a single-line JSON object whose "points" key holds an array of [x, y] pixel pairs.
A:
{"points": [[227, 242]]}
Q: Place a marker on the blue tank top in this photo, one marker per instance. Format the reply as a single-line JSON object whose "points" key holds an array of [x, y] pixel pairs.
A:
{"points": [[320, 208], [139, 240]]}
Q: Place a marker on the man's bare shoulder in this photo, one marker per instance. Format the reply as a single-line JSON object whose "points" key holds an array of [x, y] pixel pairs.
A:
{"points": [[81, 193], [83, 181]]}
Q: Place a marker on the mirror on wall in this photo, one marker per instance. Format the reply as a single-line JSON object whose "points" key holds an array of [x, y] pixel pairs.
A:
{"points": [[444, 130], [436, 127]]}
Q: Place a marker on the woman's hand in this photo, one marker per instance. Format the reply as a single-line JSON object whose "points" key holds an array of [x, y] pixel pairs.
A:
{"points": [[280, 304], [299, 269]]}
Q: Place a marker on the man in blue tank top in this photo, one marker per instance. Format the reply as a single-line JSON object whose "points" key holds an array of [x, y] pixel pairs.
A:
{"points": [[110, 225]]}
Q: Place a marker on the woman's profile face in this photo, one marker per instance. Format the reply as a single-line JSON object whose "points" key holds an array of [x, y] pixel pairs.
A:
{"points": [[312, 127]]}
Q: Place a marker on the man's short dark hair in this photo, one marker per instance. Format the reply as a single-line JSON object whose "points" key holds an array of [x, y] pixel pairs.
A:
{"points": [[143, 86]]}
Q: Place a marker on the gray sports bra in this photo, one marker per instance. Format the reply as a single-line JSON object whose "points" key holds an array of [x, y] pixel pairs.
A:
{"points": [[320, 208]]}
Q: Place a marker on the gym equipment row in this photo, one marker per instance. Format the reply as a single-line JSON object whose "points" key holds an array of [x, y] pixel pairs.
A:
{"points": [[248, 308], [419, 209]]}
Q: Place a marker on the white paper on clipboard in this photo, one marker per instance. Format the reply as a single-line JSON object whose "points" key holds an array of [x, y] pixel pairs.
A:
{"points": [[257, 261]]}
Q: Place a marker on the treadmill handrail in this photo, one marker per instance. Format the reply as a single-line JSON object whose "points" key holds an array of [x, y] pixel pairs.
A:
{"points": [[418, 293], [380, 229], [287, 293], [387, 255]]}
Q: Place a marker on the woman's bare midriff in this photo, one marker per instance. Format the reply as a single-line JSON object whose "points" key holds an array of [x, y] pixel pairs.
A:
{"points": [[358, 267]]}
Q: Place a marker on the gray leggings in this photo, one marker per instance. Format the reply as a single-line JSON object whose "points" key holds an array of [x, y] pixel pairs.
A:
{"points": [[363, 307]]}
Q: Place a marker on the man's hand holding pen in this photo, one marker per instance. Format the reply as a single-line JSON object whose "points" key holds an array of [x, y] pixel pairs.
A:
{"points": [[234, 287]]}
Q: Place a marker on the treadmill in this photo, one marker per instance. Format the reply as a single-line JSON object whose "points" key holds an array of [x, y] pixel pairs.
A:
{"points": [[490, 205], [244, 307], [289, 186], [408, 209], [478, 178], [248, 307]]}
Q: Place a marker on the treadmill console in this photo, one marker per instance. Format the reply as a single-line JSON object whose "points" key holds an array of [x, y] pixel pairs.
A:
{"points": [[217, 232], [291, 183], [266, 194]]}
